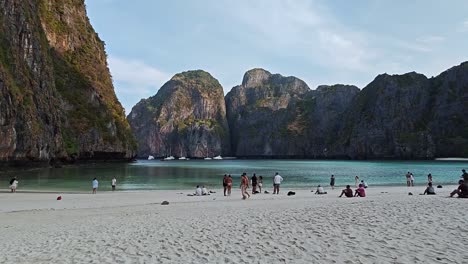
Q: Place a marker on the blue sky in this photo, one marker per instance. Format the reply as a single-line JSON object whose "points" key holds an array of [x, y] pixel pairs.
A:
{"points": [[318, 41]]}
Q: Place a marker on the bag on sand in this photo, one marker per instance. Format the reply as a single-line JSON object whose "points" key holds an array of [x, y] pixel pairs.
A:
{"points": [[291, 193]]}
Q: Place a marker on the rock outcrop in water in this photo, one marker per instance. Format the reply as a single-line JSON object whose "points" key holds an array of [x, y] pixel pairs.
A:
{"points": [[187, 117], [56, 95]]}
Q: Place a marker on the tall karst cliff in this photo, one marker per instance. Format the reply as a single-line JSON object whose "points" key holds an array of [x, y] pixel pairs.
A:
{"points": [[409, 117], [261, 114], [57, 100], [187, 117]]}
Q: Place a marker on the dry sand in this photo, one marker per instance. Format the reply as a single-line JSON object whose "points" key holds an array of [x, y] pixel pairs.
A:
{"points": [[132, 227]]}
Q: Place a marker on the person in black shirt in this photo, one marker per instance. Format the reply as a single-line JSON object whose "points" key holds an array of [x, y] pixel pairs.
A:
{"points": [[254, 184]]}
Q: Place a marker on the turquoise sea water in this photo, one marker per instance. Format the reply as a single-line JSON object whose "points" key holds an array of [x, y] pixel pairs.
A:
{"points": [[166, 175]]}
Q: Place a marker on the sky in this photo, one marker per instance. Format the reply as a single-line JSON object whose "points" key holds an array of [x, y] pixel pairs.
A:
{"points": [[318, 41]]}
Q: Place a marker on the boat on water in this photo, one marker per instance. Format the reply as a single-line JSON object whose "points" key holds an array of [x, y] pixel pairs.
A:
{"points": [[218, 157], [150, 157], [207, 158], [169, 158], [183, 158]]}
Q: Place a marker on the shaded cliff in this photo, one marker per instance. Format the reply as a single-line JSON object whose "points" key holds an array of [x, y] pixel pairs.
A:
{"points": [[261, 114], [409, 117], [187, 117], [57, 99]]}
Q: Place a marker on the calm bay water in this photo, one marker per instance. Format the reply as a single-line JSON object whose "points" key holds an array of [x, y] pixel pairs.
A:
{"points": [[159, 175]]}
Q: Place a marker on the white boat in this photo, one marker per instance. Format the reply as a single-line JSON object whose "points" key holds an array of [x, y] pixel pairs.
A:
{"points": [[207, 158], [218, 157], [182, 158], [169, 158], [150, 157]]}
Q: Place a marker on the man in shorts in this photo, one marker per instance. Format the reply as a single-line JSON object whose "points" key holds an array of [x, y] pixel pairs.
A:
{"points": [[276, 183]]}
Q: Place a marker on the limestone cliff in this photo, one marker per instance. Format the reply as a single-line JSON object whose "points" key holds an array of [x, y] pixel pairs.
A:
{"points": [[187, 117], [261, 114], [56, 95]]}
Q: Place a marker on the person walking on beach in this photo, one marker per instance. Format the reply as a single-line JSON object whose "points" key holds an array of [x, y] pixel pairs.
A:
{"points": [[229, 184], [412, 179], [429, 178], [260, 183], [225, 183], [408, 179], [356, 180], [276, 183], [332, 181], [95, 185], [244, 185], [13, 184], [254, 184], [113, 183]]}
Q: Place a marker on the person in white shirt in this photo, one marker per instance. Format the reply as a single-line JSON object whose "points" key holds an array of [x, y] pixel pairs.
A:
{"points": [[114, 182], [95, 185], [320, 190], [204, 191], [276, 183], [198, 191], [13, 184]]}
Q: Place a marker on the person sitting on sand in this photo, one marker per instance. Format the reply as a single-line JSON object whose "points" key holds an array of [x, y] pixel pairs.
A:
{"points": [[360, 191], [320, 190], [461, 191], [13, 184], [348, 192], [198, 191], [204, 191], [429, 190], [229, 184]]}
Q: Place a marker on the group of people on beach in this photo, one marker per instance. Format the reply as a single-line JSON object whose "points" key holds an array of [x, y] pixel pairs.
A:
{"points": [[245, 182], [95, 184]]}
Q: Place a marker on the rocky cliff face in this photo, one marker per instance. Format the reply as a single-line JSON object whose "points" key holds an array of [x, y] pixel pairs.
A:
{"points": [[409, 117], [57, 100], [261, 114], [187, 117]]}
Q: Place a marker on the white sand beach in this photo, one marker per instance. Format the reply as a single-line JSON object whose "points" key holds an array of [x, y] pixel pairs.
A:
{"points": [[132, 227]]}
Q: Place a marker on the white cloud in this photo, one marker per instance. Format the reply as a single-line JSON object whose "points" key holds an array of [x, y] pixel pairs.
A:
{"points": [[305, 29], [135, 80], [138, 76]]}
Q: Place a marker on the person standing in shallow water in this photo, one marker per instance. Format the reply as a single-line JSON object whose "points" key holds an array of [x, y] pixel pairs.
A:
{"points": [[429, 178], [95, 185], [113, 183], [254, 184], [356, 180], [332, 181], [260, 183]]}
